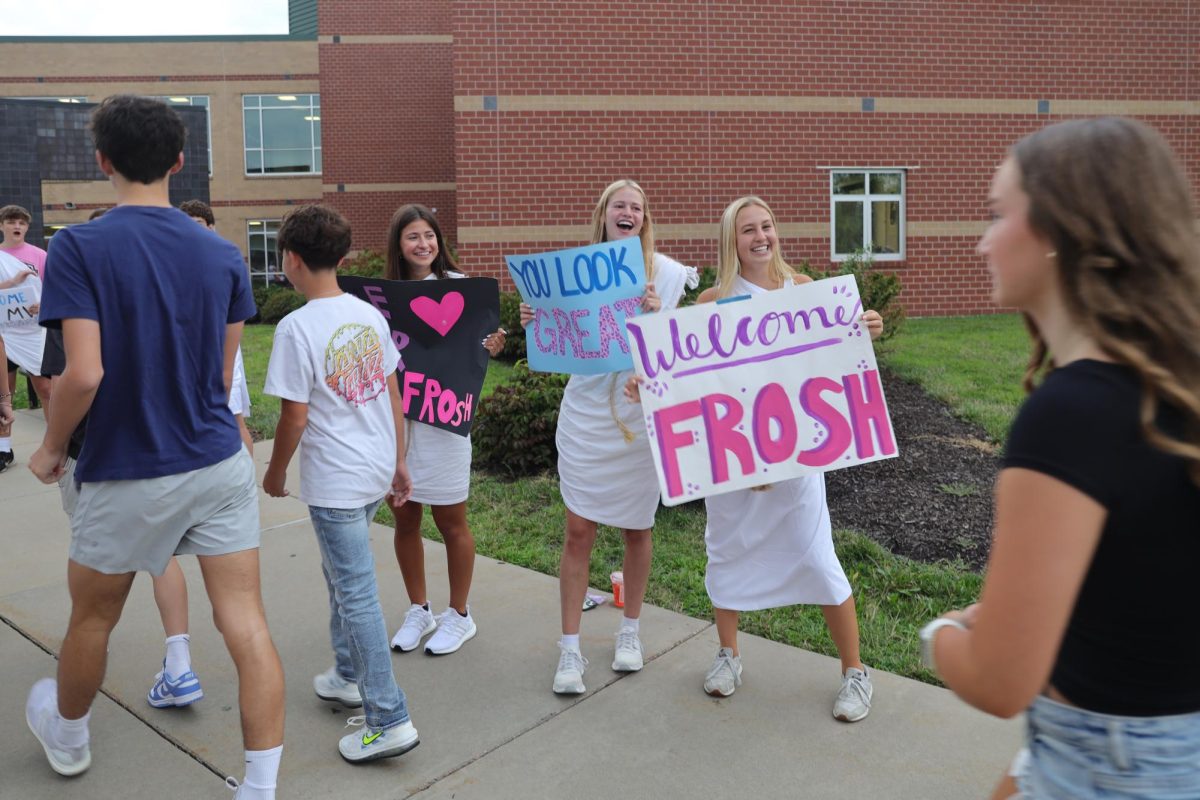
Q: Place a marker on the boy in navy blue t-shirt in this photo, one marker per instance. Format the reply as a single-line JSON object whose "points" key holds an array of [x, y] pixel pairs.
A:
{"points": [[151, 308]]}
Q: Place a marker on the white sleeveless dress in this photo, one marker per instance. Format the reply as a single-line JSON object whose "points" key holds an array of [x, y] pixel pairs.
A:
{"points": [[439, 461], [605, 469], [773, 547]]}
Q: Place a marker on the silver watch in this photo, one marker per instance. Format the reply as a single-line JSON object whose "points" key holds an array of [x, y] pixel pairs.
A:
{"points": [[929, 632]]}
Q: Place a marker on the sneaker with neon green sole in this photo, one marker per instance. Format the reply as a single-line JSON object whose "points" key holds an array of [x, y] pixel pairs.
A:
{"points": [[370, 744]]}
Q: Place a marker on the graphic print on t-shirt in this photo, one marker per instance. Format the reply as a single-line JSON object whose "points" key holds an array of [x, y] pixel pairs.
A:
{"points": [[354, 364]]}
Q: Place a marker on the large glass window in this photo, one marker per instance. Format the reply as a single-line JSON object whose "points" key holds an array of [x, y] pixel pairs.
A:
{"points": [[56, 99], [867, 213], [282, 133], [199, 101], [264, 256]]}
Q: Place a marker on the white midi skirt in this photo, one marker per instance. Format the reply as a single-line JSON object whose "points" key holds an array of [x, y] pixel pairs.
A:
{"points": [[772, 548]]}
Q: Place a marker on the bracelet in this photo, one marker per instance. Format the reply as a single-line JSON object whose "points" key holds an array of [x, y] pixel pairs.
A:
{"points": [[929, 632]]}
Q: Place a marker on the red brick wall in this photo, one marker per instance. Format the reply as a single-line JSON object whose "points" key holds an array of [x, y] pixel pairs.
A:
{"points": [[370, 214], [387, 111], [1103, 49], [547, 167]]}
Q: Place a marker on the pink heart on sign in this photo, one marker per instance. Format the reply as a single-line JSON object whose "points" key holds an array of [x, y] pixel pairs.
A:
{"points": [[439, 316]]}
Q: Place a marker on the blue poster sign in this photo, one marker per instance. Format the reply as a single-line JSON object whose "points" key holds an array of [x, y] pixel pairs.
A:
{"points": [[580, 298]]}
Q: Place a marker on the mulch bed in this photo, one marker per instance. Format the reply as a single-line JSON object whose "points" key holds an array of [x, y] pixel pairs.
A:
{"points": [[932, 502]]}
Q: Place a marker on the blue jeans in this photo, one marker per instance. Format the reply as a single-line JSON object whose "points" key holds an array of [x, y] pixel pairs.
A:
{"points": [[1083, 755], [356, 625]]}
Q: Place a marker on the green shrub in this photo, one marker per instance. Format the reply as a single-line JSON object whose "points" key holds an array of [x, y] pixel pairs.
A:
{"points": [[510, 320], [513, 432], [367, 264], [280, 301], [708, 277], [261, 292], [879, 289]]}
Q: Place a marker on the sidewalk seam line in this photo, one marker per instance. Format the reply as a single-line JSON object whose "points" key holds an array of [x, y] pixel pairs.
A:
{"points": [[122, 705]]}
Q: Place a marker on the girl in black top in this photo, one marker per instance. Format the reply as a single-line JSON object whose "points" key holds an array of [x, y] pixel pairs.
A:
{"points": [[1088, 614]]}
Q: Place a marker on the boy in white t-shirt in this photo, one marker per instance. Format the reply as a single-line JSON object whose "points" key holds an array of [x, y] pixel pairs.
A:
{"points": [[333, 365], [24, 339]]}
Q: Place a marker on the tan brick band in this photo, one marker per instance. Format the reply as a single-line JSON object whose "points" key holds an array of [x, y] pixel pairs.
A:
{"points": [[396, 38], [481, 234], [883, 105], [332, 188]]}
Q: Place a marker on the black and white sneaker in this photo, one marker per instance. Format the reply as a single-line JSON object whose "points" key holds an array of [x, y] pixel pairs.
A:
{"points": [[6, 459]]}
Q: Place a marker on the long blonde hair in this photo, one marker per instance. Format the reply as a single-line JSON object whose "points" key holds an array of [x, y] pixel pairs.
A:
{"points": [[599, 217], [729, 266], [1112, 200]]}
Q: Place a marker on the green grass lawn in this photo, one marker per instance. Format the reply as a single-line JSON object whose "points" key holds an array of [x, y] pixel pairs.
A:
{"points": [[264, 409], [973, 364]]}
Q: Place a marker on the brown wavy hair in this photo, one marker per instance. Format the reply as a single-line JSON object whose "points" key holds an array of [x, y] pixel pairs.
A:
{"points": [[397, 268], [1114, 202]]}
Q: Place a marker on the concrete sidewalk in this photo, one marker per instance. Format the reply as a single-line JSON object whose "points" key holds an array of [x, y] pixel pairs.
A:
{"points": [[490, 726]]}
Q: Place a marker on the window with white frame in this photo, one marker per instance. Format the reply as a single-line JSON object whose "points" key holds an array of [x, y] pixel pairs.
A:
{"points": [[867, 213], [264, 256], [198, 101], [282, 133]]}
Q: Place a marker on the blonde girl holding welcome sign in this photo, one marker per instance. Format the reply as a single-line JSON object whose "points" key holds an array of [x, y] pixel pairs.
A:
{"points": [[772, 546], [606, 471]]}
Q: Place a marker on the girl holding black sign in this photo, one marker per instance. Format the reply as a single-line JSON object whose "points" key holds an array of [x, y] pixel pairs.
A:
{"points": [[606, 471], [439, 462], [772, 546]]}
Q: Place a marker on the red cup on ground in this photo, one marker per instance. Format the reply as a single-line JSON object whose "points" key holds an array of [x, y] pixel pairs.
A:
{"points": [[618, 584]]}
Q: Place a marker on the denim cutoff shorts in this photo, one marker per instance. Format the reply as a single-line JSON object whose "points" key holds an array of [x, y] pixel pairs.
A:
{"points": [[1080, 755]]}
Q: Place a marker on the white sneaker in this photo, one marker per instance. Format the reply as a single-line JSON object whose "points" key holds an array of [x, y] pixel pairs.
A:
{"points": [[725, 674], [231, 783], [369, 744], [453, 631], [628, 657], [418, 623], [329, 685], [569, 677], [854, 700], [41, 712]]}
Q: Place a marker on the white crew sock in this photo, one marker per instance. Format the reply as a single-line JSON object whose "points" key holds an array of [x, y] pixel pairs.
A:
{"points": [[72, 732], [630, 624], [5, 444], [571, 641], [262, 770], [179, 655]]}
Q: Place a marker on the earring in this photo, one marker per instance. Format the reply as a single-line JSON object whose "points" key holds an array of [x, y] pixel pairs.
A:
{"points": [[1052, 254]]}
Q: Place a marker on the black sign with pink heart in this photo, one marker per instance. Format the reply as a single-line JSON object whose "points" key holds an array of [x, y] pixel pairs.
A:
{"points": [[439, 328]]}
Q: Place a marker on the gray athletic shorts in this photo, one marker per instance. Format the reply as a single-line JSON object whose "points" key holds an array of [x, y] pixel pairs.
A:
{"points": [[134, 525]]}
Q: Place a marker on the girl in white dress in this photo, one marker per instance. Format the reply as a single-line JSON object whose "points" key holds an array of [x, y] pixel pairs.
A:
{"points": [[772, 546], [439, 462], [606, 472]]}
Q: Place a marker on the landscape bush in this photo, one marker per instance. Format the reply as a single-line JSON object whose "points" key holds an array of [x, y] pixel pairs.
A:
{"points": [[879, 290], [513, 434]]}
